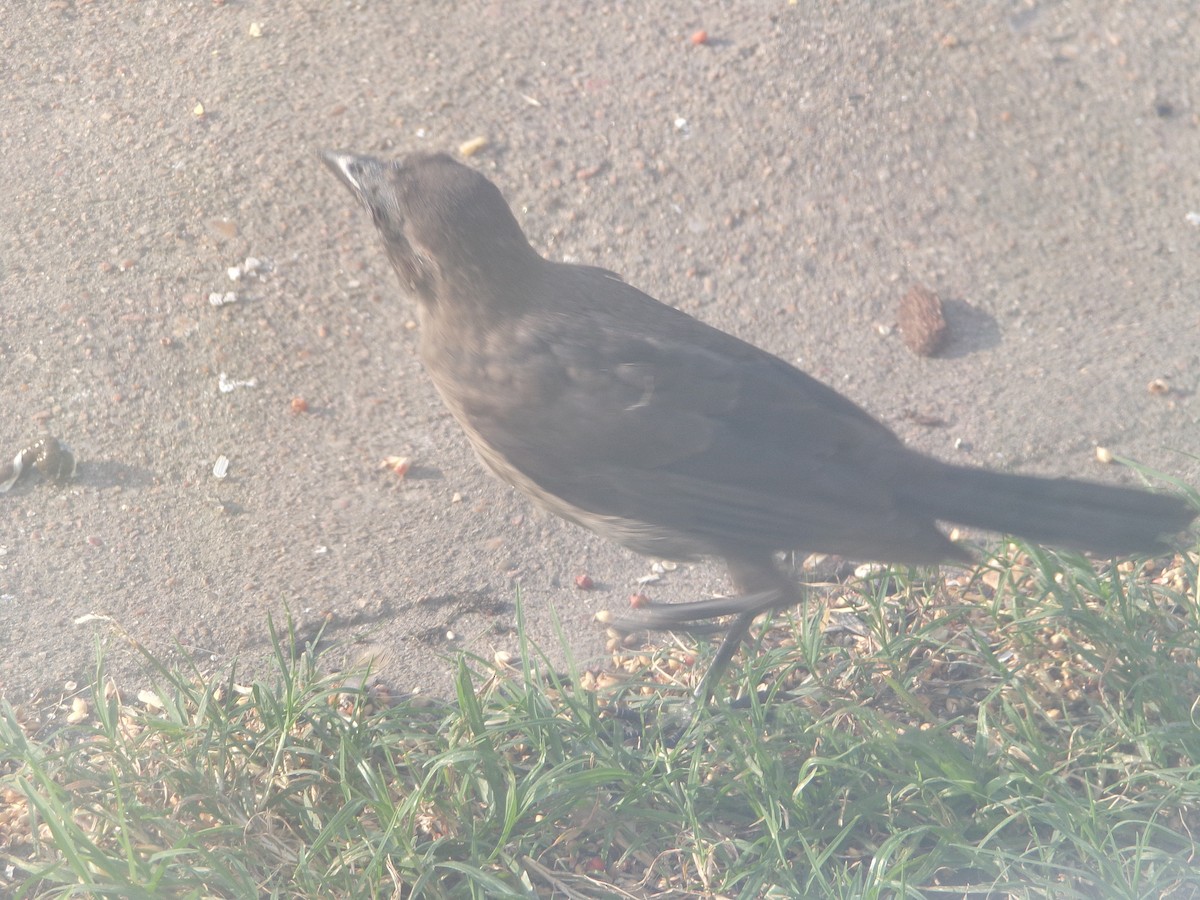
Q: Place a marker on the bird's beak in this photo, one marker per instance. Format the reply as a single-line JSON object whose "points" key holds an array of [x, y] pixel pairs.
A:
{"points": [[350, 168]]}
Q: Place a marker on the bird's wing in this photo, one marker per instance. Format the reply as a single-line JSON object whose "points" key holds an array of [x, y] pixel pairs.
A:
{"points": [[639, 412]]}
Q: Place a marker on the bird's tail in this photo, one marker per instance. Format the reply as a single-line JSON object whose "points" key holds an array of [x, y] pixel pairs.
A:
{"points": [[1104, 520]]}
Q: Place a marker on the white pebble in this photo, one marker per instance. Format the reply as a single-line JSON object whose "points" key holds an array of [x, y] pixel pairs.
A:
{"points": [[227, 384], [867, 570]]}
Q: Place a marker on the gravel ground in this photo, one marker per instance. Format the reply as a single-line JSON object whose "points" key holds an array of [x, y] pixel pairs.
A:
{"points": [[785, 171]]}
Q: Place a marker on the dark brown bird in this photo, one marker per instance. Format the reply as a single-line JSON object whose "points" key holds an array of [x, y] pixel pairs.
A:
{"points": [[675, 439]]}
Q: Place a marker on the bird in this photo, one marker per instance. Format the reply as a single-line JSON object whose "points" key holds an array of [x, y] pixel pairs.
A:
{"points": [[677, 440]]}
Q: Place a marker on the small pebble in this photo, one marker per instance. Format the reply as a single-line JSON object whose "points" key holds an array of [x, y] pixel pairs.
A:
{"points": [[225, 384], [867, 570]]}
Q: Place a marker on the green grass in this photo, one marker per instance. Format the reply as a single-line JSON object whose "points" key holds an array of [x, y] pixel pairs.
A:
{"points": [[1027, 729]]}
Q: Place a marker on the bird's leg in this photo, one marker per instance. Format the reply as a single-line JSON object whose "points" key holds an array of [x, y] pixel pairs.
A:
{"points": [[734, 636], [760, 583], [761, 587]]}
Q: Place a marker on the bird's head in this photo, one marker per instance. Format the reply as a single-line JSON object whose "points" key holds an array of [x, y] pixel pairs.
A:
{"points": [[446, 228]]}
